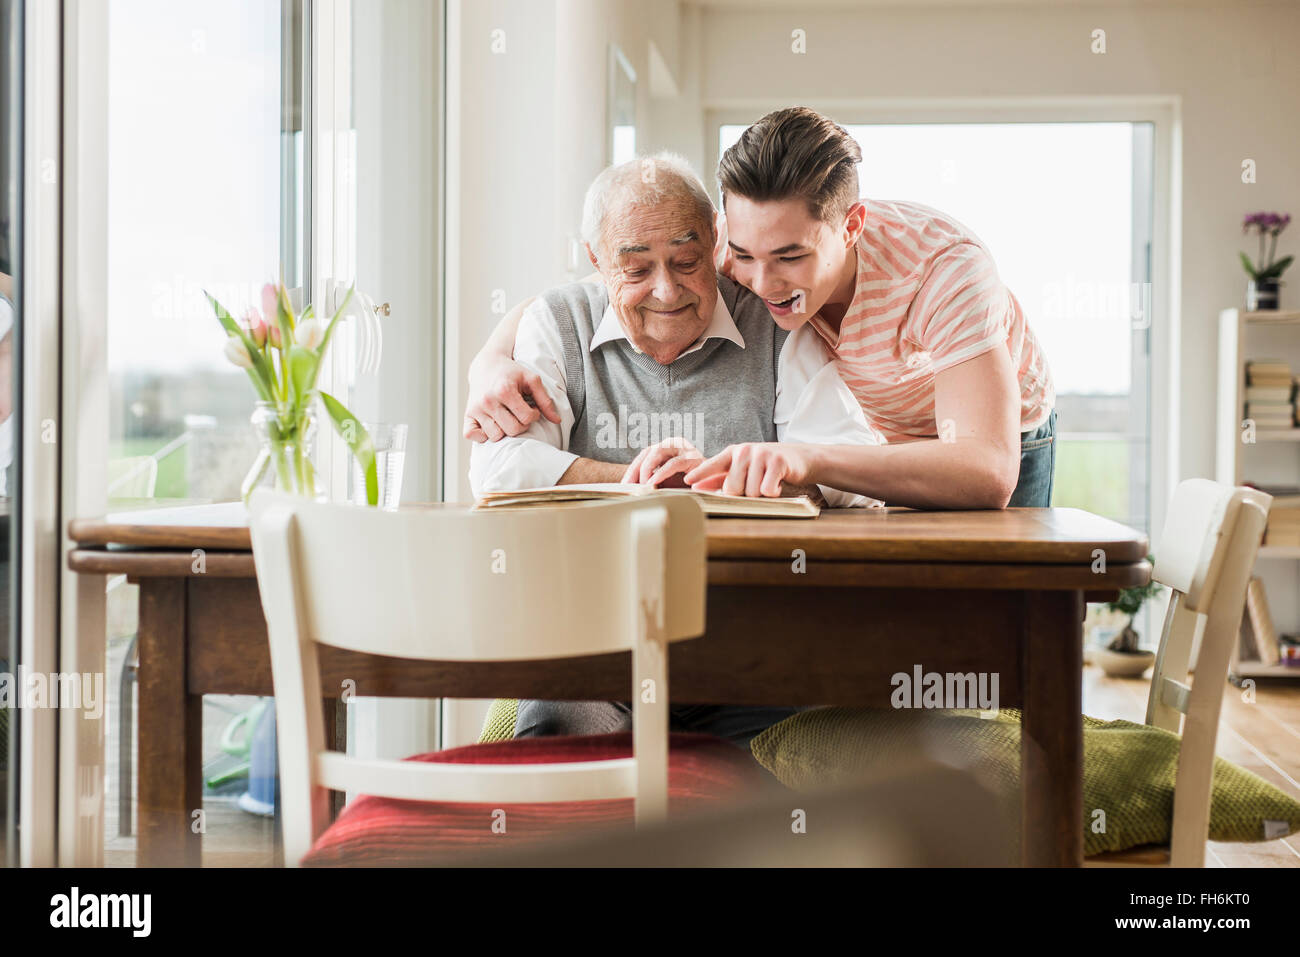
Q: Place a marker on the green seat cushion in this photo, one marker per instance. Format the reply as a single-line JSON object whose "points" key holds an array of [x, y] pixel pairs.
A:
{"points": [[499, 725], [1128, 777]]}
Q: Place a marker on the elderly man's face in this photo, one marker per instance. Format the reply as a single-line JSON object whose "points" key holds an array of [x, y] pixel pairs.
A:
{"points": [[658, 268]]}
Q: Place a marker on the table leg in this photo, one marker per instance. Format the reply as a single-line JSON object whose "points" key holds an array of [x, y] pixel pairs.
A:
{"points": [[1051, 741], [170, 724]]}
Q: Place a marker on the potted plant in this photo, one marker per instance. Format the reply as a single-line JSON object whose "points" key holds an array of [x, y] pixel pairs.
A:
{"points": [[1122, 658], [1265, 275], [282, 355]]}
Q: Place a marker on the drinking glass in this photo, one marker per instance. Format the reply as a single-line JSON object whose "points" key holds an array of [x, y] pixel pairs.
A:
{"points": [[390, 453]]}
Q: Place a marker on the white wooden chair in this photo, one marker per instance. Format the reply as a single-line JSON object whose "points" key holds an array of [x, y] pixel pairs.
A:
{"points": [[455, 585], [1211, 537]]}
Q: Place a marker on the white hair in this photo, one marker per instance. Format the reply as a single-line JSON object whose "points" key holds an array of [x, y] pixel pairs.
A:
{"points": [[643, 181]]}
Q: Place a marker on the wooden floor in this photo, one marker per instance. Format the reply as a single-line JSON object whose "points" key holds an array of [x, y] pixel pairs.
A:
{"points": [[1262, 736]]}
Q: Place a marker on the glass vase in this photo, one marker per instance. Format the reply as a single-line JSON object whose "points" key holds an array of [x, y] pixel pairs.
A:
{"points": [[284, 460]]}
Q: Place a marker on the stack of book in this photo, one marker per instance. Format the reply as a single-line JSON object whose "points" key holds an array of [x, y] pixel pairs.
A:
{"points": [[1283, 526], [1270, 390]]}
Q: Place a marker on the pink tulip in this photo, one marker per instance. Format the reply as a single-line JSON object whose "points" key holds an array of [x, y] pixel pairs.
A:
{"points": [[255, 326], [274, 335], [268, 304]]}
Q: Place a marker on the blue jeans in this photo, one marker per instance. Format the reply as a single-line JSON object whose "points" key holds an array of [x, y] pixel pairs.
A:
{"points": [[1037, 466], [738, 724]]}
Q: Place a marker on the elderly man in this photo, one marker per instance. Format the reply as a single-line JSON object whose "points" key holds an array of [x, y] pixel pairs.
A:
{"points": [[661, 363]]}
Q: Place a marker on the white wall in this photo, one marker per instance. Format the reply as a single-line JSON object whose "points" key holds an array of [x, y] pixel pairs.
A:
{"points": [[1231, 65]]}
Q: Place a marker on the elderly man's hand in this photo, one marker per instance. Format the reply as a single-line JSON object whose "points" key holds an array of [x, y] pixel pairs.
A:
{"points": [[754, 469], [499, 393], [658, 464]]}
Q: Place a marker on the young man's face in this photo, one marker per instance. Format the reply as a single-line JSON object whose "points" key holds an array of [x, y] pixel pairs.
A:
{"points": [[785, 255]]}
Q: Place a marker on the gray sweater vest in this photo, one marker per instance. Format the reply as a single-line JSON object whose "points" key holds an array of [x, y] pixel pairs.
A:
{"points": [[623, 400]]}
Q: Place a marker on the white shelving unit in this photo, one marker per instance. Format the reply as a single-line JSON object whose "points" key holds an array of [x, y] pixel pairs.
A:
{"points": [[1273, 458]]}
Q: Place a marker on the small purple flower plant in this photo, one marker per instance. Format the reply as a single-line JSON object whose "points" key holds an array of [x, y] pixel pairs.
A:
{"points": [[1266, 225]]}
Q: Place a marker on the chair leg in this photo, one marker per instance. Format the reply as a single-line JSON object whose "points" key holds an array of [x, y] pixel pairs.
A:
{"points": [[125, 739]]}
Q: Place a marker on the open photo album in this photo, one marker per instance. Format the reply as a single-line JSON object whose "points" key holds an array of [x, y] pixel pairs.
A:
{"points": [[715, 504]]}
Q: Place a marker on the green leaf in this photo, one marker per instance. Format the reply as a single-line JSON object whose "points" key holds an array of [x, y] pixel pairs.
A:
{"points": [[358, 439], [284, 309], [260, 375], [303, 364], [1250, 266], [255, 474], [329, 330], [1275, 270]]}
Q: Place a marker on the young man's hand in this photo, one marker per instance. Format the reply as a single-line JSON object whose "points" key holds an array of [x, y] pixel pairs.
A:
{"points": [[505, 398], [754, 469]]}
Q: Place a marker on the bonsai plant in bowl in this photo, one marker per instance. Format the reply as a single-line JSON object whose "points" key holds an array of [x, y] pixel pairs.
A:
{"points": [[1123, 658]]}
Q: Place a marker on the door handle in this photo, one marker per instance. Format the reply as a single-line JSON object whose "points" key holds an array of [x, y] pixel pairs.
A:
{"points": [[370, 334]]}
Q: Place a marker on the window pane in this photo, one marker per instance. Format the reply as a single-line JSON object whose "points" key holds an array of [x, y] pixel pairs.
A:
{"points": [[204, 163], [193, 204]]}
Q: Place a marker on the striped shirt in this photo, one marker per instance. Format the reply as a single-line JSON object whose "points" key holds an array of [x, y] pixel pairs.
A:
{"points": [[927, 297]]}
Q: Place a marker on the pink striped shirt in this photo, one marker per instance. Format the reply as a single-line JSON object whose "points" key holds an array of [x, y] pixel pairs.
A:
{"points": [[928, 297]]}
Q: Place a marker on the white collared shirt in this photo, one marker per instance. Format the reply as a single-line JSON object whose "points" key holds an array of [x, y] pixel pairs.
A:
{"points": [[721, 326], [812, 403]]}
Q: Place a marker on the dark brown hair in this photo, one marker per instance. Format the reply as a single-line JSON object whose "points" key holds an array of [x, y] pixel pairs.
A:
{"points": [[794, 153]]}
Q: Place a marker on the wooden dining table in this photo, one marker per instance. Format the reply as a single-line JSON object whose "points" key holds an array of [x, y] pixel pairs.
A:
{"points": [[820, 611]]}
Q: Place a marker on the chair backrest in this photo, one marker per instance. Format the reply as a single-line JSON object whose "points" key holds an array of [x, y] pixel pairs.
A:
{"points": [[133, 477], [1211, 538], [458, 585], [477, 585]]}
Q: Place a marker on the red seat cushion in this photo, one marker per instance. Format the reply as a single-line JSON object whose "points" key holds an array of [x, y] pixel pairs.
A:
{"points": [[703, 771]]}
